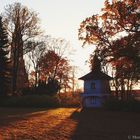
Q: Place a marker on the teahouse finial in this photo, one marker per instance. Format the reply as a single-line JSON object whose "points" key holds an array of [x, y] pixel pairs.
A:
{"points": [[96, 63]]}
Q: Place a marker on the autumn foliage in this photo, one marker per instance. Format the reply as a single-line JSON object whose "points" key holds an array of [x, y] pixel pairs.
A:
{"points": [[116, 33], [53, 72]]}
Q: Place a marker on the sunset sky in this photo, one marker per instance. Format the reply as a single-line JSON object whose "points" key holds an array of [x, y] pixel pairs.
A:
{"points": [[61, 18]]}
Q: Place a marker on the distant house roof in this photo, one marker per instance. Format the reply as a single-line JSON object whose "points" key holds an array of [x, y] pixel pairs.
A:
{"points": [[96, 75]]}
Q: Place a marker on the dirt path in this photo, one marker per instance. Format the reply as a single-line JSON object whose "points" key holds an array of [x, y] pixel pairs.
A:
{"points": [[67, 124]]}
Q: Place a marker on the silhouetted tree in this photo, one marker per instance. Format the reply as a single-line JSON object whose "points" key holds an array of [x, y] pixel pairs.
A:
{"points": [[62, 48], [4, 60], [53, 66], [34, 56], [116, 33], [53, 86], [22, 25]]}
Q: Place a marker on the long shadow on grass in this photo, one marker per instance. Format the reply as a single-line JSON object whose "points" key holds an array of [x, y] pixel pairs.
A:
{"points": [[99, 124], [8, 115], [58, 127]]}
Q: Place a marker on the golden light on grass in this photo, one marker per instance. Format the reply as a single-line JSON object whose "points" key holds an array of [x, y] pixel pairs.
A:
{"points": [[43, 124]]}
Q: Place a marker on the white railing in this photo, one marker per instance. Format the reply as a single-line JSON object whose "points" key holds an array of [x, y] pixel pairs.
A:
{"points": [[94, 94]]}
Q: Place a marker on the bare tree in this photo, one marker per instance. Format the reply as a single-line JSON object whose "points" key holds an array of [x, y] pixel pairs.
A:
{"points": [[22, 25], [58, 45], [34, 56]]}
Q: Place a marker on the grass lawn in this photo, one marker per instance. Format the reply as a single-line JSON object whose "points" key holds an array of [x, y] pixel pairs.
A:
{"points": [[68, 123]]}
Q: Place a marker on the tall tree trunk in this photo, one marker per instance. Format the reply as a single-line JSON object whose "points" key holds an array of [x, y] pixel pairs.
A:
{"points": [[17, 54], [14, 57], [36, 78]]}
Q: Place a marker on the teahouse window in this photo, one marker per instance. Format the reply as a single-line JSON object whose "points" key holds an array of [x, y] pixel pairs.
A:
{"points": [[93, 86]]}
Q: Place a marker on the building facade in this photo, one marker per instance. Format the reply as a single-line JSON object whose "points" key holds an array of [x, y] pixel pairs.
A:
{"points": [[96, 86]]}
